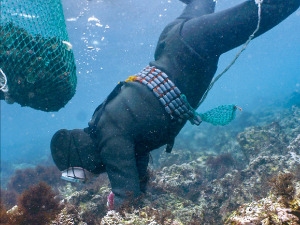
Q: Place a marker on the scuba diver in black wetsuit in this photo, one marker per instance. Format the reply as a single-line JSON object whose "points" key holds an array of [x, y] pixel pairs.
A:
{"points": [[148, 110]]}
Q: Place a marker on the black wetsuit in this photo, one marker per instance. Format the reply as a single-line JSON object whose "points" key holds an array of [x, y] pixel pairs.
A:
{"points": [[134, 122]]}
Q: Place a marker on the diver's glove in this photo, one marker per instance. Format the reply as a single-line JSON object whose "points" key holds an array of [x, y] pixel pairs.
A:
{"points": [[110, 201]]}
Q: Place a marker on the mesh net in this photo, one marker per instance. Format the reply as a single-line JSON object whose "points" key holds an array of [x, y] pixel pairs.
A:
{"points": [[35, 55], [222, 115]]}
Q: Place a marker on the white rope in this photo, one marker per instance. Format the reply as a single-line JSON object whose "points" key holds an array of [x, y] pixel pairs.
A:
{"points": [[258, 2], [3, 81]]}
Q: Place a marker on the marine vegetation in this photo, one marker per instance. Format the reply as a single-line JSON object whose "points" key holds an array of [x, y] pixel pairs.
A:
{"points": [[36, 206], [24, 178], [282, 185]]}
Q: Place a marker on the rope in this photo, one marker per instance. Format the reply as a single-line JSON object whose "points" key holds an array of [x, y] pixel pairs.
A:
{"points": [[3, 81], [258, 2], [196, 118]]}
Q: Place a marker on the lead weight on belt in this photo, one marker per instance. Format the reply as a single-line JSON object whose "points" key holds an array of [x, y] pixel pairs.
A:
{"points": [[171, 83], [150, 86], [167, 85], [161, 79], [177, 112], [156, 81], [175, 104], [168, 109], [185, 108], [159, 90], [156, 93], [144, 82], [166, 99], [153, 84], [162, 101], [173, 93], [164, 75], [168, 94], [178, 100], [180, 110], [164, 89], [177, 91], [172, 106]]}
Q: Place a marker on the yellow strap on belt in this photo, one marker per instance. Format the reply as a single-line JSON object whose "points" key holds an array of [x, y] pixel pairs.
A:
{"points": [[131, 78]]}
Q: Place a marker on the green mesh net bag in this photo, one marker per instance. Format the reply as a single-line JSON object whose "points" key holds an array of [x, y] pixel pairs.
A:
{"points": [[37, 66], [222, 115]]}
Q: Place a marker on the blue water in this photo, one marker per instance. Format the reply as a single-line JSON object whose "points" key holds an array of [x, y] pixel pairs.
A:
{"points": [[120, 43]]}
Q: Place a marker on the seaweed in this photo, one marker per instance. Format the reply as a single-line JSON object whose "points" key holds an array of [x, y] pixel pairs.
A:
{"points": [[220, 165], [23, 179], [8, 198], [282, 185], [36, 206]]}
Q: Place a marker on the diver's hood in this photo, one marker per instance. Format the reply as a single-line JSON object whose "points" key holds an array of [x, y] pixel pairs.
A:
{"points": [[75, 148]]}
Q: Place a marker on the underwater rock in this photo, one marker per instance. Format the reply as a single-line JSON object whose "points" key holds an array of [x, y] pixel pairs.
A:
{"points": [[295, 145], [112, 217], [142, 216], [179, 178], [137, 217], [262, 140], [290, 120], [89, 199], [69, 215], [177, 157], [268, 210]]}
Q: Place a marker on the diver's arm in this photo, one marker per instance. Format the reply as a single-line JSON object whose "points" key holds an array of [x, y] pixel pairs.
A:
{"points": [[142, 161], [118, 156], [222, 31]]}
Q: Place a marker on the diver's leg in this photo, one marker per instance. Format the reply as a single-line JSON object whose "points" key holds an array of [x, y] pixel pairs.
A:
{"points": [[197, 8], [222, 31]]}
